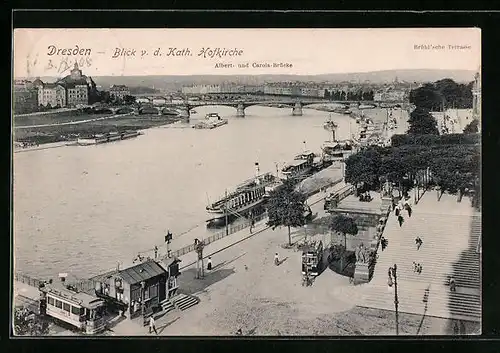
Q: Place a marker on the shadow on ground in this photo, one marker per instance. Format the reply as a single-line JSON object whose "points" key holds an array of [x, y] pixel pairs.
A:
{"points": [[189, 284], [467, 274]]}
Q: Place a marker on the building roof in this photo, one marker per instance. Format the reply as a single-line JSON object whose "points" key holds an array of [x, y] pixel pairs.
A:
{"points": [[142, 272], [118, 88], [73, 85], [84, 299], [52, 85]]}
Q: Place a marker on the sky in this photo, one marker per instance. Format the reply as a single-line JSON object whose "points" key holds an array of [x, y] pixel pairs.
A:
{"points": [[39, 52]]}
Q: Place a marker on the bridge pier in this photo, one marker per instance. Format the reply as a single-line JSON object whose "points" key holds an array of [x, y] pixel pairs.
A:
{"points": [[185, 112], [240, 110], [297, 109]]}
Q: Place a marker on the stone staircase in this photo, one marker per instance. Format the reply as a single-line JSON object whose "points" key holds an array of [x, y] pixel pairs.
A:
{"points": [[449, 249], [167, 306], [184, 301]]}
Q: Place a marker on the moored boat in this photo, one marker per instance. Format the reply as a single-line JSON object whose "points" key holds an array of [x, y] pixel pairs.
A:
{"points": [[300, 167], [212, 120], [243, 200], [108, 137]]}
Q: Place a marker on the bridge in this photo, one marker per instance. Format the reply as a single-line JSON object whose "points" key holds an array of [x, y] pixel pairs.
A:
{"points": [[296, 103]]}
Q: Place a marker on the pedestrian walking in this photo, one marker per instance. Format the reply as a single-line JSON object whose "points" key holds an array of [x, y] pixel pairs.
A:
{"points": [[453, 287], [396, 210], [415, 267], [152, 325], [252, 225], [156, 252], [409, 210], [276, 259], [419, 242], [400, 220], [419, 268], [209, 264], [383, 243]]}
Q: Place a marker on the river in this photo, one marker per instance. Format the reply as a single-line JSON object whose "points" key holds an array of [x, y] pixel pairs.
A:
{"points": [[80, 209]]}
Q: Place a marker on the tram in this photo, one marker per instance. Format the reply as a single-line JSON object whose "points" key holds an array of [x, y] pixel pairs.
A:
{"points": [[82, 311], [312, 258]]}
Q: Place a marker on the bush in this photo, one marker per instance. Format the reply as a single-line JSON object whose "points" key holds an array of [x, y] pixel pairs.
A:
{"points": [[429, 140]]}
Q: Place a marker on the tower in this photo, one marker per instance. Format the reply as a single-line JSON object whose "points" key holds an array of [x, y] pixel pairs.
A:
{"points": [[76, 73]]}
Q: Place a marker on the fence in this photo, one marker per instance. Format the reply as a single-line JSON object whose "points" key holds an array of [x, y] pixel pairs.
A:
{"points": [[30, 281], [219, 235]]}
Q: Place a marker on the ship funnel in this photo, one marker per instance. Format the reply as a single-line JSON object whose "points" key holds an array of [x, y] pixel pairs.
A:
{"points": [[257, 169]]}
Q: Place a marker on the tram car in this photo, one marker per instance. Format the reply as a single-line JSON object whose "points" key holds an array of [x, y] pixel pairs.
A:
{"points": [[312, 258], [78, 309]]}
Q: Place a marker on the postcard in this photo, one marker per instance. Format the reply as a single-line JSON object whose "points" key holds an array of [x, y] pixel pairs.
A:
{"points": [[246, 182]]}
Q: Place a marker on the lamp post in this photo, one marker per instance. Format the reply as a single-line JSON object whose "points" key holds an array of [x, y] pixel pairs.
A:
{"points": [[143, 286], [415, 185], [305, 232], [393, 280]]}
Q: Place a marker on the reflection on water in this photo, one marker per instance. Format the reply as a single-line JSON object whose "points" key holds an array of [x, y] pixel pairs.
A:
{"points": [[80, 209]]}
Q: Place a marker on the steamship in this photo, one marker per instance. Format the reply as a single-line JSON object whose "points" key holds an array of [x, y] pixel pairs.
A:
{"points": [[301, 166], [246, 199]]}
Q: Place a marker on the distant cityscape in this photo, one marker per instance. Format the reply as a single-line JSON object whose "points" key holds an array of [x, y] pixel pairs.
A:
{"points": [[77, 89]]}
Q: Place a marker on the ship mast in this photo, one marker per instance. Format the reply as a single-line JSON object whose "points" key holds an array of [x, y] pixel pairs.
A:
{"points": [[226, 214]]}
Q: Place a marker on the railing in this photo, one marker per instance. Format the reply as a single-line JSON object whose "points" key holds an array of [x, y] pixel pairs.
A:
{"points": [[30, 281], [219, 235]]}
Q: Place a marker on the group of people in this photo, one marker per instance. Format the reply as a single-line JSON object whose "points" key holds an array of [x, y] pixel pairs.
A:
{"points": [[417, 267], [398, 209]]}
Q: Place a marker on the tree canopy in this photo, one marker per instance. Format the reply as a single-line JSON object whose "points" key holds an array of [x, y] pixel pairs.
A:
{"points": [[472, 127], [422, 123], [29, 324], [345, 225], [286, 208], [453, 166], [444, 93], [363, 167]]}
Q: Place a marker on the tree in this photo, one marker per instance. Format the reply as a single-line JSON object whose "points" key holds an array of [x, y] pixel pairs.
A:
{"points": [[426, 97], [344, 225], [286, 208], [27, 323], [422, 123], [363, 167], [472, 127]]}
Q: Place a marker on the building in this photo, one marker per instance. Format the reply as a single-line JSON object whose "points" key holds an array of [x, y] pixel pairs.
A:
{"points": [[390, 94], [201, 89], [476, 96], [70, 91], [119, 91], [147, 282], [25, 100], [52, 95], [77, 87]]}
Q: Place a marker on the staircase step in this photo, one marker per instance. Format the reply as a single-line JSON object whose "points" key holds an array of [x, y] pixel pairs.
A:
{"points": [[184, 302], [450, 238]]}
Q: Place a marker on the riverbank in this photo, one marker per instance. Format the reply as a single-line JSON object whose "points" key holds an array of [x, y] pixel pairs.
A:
{"points": [[48, 112], [246, 291], [70, 131]]}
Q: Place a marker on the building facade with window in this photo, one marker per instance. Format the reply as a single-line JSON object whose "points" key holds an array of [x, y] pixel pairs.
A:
{"points": [[52, 94], [25, 100], [119, 91], [145, 283]]}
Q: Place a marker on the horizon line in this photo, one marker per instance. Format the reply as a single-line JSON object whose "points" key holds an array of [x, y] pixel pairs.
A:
{"points": [[270, 74]]}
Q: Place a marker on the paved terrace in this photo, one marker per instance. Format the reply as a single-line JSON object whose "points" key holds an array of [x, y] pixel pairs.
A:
{"points": [[450, 232]]}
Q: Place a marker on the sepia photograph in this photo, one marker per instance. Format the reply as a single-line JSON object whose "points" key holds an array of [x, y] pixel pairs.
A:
{"points": [[246, 182]]}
